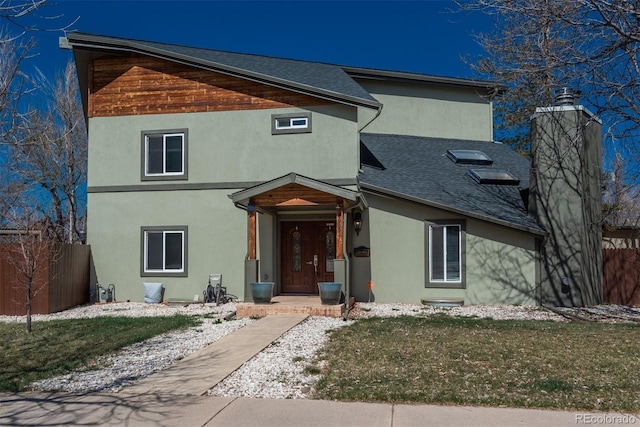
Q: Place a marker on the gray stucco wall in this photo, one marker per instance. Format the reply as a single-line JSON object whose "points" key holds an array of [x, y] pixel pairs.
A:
{"points": [[500, 262], [232, 146], [223, 148], [217, 239], [423, 110], [566, 199]]}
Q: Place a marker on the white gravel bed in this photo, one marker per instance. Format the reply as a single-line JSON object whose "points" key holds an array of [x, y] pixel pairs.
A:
{"points": [[496, 312], [142, 359], [276, 372], [126, 309]]}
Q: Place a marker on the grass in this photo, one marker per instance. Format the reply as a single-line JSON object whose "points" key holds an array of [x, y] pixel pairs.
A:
{"points": [[458, 361], [61, 346]]}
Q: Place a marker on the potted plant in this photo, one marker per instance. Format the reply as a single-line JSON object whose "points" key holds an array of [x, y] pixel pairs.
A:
{"points": [[330, 292], [262, 292]]}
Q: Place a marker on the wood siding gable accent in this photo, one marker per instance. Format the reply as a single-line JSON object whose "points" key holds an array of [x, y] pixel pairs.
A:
{"points": [[136, 85], [288, 194]]}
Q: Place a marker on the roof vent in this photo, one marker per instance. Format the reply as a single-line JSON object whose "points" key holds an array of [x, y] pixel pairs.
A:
{"points": [[565, 96]]}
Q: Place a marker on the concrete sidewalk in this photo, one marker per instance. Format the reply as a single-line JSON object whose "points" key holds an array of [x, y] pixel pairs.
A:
{"points": [[186, 411], [198, 372]]}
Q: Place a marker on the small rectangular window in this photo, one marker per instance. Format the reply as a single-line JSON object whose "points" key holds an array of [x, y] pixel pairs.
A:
{"points": [[164, 251], [290, 123], [164, 155]]}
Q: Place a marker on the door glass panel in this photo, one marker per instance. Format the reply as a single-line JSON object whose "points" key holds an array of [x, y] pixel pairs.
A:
{"points": [[297, 251], [330, 241]]}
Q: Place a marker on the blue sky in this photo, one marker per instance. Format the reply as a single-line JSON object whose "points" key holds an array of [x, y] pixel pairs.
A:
{"points": [[415, 36]]}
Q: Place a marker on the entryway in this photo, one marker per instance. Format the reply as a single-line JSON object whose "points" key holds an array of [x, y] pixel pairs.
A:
{"points": [[308, 249]]}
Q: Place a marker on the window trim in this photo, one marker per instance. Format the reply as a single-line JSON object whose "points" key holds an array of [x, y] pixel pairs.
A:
{"points": [[144, 176], [277, 130], [143, 251], [460, 284]]}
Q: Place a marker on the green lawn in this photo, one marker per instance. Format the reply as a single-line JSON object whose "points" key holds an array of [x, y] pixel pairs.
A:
{"points": [[458, 361], [58, 347]]}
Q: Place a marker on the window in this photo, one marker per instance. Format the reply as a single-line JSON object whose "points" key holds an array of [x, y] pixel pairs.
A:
{"points": [[493, 176], [290, 123], [445, 254], [164, 251], [164, 155], [469, 157]]}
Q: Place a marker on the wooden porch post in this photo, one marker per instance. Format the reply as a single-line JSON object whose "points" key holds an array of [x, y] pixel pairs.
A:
{"points": [[339, 233], [252, 232]]}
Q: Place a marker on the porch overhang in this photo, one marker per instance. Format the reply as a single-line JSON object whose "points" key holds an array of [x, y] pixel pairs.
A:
{"points": [[293, 190], [298, 192]]}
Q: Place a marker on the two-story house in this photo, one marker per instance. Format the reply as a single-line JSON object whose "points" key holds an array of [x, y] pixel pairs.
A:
{"points": [[269, 169]]}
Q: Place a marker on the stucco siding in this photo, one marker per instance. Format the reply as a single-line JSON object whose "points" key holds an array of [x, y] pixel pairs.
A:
{"points": [[500, 263], [423, 110], [217, 239], [235, 146]]}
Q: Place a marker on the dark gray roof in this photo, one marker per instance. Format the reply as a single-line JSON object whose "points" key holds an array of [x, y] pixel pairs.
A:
{"points": [[418, 169], [314, 78]]}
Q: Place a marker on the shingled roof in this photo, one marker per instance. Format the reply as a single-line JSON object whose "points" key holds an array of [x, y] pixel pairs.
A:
{"points": [[327, 81], [418, 169], [314, 78]]}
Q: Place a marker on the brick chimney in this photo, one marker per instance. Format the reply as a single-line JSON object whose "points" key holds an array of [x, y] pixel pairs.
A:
{"points": [[565, 198]]}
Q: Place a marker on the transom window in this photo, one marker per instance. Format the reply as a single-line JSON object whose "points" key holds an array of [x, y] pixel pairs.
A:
{"points": [[164, 155], [290, 123], [164, 251]]}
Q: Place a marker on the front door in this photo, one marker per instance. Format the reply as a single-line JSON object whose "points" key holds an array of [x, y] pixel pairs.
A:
{"points": [[307, 252]]}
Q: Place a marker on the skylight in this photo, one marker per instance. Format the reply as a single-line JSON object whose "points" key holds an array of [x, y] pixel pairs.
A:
{"points": [[493, 176], [469, 157]]}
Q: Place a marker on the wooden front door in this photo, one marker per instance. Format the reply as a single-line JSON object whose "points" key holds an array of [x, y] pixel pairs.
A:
{"points": [[307, 253]]}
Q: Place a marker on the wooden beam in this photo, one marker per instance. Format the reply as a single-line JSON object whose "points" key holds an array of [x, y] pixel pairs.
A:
{"points": [[252, 235], [339, 233]]}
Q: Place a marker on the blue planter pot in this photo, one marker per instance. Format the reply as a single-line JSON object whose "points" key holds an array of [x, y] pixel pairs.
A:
{"points": [[330, 292], [262, 292]]}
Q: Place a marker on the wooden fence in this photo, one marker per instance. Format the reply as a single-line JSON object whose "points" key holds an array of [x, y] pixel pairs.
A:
{"points": [[621, 276], [61, 283]]}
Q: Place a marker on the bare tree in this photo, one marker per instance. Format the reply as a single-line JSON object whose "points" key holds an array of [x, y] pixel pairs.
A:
{"points": [[539, 45], [50, 157], [27, 253], [591, 45]]}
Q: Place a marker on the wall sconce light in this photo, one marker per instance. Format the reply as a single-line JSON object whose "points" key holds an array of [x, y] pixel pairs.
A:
{"points": [[357, 222]]}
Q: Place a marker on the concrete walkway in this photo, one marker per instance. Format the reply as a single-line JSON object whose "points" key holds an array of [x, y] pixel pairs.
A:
{"points": [[186, 411], [198, 372]]}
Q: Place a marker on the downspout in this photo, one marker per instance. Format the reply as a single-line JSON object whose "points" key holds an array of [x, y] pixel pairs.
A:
{"points": [[371, 121], [362, 205]]}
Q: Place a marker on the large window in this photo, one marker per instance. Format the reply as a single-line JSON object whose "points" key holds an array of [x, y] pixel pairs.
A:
{"points": [[164, 251], [445, 253], [164, 155]]}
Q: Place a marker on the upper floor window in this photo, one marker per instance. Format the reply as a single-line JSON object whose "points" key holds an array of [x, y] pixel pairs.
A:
{"points": [[290, 123], [164, 155]]}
